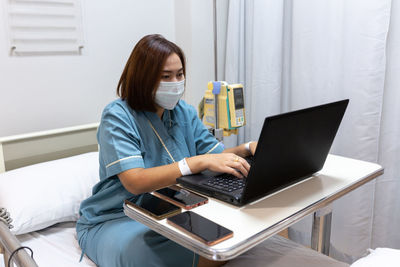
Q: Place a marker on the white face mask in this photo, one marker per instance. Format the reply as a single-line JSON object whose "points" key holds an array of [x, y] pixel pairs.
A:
{"points": [[169, 93]]}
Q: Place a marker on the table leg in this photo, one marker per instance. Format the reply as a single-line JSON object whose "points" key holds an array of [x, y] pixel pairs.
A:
{"points": [[321, 230]]}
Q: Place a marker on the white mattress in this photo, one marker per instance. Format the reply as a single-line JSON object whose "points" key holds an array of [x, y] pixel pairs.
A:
{"points": [[58, 246]]}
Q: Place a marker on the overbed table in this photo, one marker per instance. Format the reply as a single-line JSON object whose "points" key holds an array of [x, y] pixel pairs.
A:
{"points": [[262, 219]]}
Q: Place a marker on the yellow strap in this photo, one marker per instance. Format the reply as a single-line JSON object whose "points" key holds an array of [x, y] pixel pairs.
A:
{"points": [[159, 138]]}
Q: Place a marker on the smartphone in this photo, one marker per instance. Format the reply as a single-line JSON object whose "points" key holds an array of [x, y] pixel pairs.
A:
{"points": [[154, 206], [181, 197], [200, 228]]}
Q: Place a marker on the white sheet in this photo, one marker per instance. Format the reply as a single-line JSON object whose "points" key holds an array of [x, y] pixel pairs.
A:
{"points": [[58, 246], [55, 246]]}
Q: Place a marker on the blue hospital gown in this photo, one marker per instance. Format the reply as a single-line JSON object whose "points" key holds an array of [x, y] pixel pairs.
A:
{"points": [[127, 141]]}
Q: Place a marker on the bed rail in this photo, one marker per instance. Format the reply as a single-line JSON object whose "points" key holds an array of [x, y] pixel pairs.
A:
{"points": [[21, 150], [9, 243]]}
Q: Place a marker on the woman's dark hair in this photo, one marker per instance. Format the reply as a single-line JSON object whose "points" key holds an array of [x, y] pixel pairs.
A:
{"points": [[142, 72]]}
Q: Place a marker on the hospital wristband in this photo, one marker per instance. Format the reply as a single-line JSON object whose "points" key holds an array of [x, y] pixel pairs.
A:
{"points": [[184, 167], [247, 146]]}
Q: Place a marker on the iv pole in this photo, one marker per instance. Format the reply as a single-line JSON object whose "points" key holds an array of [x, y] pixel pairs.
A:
{"points": [[215, 40], [218, 133]]}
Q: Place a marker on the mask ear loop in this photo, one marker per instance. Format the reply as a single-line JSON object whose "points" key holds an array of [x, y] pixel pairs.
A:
{"points": [[166, 149], [194, 258], [159, 138]]}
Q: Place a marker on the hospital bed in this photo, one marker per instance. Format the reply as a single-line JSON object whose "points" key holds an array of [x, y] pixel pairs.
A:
{"points": [[43, 178]]}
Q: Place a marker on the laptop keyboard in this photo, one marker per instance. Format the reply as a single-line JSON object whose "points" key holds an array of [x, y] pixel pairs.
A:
{"points": [[225, 182], [228, 182]]}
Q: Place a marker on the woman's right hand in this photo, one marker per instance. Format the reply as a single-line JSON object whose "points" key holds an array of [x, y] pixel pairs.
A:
{"points": [[223, 162]]}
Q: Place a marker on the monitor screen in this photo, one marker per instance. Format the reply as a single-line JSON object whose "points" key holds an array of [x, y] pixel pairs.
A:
{"points": [[238, 95]]}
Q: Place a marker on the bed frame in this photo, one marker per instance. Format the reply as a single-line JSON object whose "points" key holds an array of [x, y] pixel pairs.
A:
{"points": [[27, 149]]}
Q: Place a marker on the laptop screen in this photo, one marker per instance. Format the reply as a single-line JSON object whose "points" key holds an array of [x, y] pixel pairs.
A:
{"points": [[291, 147]]}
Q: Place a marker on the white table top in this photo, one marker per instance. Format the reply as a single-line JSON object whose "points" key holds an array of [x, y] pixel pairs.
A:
{"points": [[262, 219]]}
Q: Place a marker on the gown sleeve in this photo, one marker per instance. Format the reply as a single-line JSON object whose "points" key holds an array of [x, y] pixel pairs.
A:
{"points": [[119, 141]]}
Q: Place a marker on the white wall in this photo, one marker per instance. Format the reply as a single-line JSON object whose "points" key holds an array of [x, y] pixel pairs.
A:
{"points": [[45, 92], [194, 33]]}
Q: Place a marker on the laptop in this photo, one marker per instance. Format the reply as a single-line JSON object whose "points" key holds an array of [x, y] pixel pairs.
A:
{"points": [[292, 146]]}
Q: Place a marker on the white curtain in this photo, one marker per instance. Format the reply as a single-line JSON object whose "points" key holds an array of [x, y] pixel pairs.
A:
{"points": [[294, 54]]}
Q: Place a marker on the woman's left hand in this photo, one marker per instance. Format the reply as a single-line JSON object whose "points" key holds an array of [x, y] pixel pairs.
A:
{"points": [[253, 146]]}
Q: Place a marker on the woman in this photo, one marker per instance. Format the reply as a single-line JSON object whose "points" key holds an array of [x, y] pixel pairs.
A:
{"points": [[148, 138]]}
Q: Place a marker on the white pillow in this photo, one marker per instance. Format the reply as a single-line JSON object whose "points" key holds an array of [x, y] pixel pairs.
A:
{"points": [[43, 194], [382, 257]]}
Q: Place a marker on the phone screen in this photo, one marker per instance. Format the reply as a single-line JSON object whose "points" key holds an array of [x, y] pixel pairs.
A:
{"points": [[154, 206], [181, 197], [200, 228]]}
